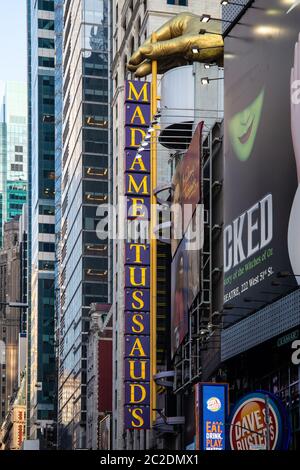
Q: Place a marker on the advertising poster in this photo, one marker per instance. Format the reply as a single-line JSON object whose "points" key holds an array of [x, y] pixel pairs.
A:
{"points": [[185, 282], [211, 412], [262, 154], [187, 188], [179, 297], [185, 268], [252, 427]]}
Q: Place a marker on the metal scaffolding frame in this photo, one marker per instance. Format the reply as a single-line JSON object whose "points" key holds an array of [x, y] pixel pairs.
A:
{"points": [[187, 361]]}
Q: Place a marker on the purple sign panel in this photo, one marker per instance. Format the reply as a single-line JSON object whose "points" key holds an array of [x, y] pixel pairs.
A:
{"points": [[137, 417], [137, 346], [137, 300], [138, 208], [137, 184], [134, 136], [137, 259], [137, 323], [138, 114], [137, 393], [137, 253], [137, 163], [137, 276], [138, 92], [137, 369]]}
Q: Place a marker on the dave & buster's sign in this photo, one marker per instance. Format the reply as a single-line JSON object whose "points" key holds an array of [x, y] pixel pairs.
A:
{"points": [[252, 426], [137, 260]]}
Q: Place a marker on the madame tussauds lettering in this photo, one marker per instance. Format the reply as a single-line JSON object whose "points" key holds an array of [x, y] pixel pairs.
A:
{"points": [[137, 182]]}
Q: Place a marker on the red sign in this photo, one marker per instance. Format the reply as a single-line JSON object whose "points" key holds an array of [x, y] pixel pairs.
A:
{"points": [[248, 428]]}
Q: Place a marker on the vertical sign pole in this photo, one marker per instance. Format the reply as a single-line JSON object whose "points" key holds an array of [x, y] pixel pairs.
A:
{"points": [[268, 445], [153, 244]]}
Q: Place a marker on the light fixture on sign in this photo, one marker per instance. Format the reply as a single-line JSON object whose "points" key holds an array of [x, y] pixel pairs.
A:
{"points": [[205, 18], [205, 81]]}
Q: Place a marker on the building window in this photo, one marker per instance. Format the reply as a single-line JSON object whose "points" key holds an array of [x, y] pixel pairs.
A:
{"points": [[183, 3], [46, 62], [16, 167], [47, 5], [47, 247], [46, 228], [46, 265], [46, 210], [46, 24], [46, 43]]}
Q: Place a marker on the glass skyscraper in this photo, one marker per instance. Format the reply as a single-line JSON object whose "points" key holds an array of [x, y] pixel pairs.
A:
{"points": [[41, 387], [13, 152], [84, 259]]}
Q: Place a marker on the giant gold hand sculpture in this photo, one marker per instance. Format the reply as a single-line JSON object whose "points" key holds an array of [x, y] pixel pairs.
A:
{"points": [[176, 43]]}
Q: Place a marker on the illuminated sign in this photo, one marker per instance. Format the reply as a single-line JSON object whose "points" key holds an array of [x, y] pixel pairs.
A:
{"points": [[137, 259], [211, 411], [259, 421]]}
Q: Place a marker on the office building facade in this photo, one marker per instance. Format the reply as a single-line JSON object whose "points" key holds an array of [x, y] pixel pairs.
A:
{"points": [[9, 316], [84, 258], [41, 377], [13, 150]]}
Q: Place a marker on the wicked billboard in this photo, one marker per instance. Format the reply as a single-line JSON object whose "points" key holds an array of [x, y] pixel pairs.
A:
{"points": [[262, 154]]}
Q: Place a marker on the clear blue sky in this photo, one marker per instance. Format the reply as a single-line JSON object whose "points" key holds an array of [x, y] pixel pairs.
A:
{"points": [[13, 48]]}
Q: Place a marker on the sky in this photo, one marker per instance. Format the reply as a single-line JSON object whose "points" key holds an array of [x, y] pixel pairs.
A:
{"points": [[13, 48]]}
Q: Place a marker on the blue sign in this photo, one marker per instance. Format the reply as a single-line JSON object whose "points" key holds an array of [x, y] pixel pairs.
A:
{"points": [[211, 416]]}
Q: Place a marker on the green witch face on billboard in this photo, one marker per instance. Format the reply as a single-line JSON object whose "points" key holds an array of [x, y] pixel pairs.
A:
{"points": [[243, 128]]}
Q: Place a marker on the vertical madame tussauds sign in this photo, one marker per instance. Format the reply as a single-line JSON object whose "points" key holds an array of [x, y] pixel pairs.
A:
{"points": [[137, 259]]}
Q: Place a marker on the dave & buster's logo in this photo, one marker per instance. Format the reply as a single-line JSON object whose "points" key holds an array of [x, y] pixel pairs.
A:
{"points": [[259, 421]]}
